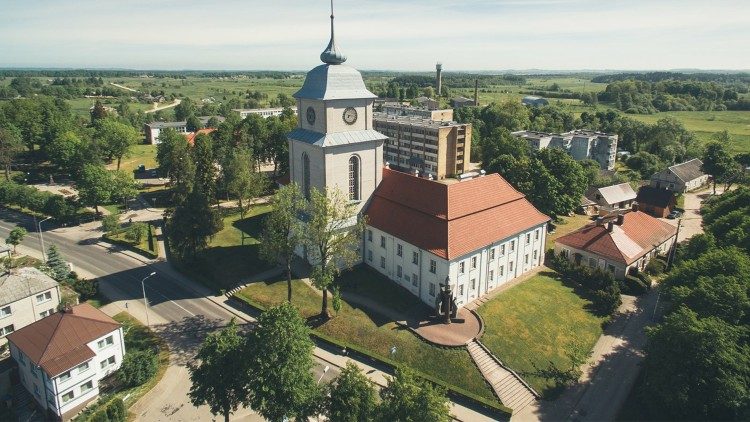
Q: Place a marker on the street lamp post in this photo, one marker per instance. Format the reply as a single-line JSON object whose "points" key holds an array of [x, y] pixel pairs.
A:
{"points": [[145, 302], [41, 238]]}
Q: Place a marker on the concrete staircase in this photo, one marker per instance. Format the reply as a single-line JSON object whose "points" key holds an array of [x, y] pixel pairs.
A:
{"points": [[509, 387]]}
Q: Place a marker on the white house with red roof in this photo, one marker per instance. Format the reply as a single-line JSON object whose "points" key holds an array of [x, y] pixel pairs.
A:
{"points": [[630, 240], [63, 357], [478, 233]]}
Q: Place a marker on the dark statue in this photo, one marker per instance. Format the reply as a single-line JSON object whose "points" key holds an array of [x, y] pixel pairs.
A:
{"points": [[445, 303]]}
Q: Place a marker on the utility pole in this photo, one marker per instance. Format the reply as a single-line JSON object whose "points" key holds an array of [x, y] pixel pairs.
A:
{"points": [[670, 261]]}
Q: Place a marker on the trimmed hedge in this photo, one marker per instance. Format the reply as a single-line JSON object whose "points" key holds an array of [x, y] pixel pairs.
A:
{"points": [[451, 389]]}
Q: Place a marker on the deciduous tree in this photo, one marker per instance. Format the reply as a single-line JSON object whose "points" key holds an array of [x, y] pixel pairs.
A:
{"points": [[15, 237], [218, 378], [717, 162], [116, 138], [351, 397], [283, 231], [408, 399], [95, 186], [192, 225], [10, 146]]}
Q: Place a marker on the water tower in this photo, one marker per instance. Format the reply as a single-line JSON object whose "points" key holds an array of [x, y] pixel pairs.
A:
{"points": [[439, 68]]}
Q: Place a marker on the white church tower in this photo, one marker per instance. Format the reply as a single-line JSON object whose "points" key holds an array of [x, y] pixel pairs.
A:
{"points": [[335, 145]]}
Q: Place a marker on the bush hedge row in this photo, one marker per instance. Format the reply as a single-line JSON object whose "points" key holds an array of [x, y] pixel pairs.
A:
{"points": [[64, 210]]}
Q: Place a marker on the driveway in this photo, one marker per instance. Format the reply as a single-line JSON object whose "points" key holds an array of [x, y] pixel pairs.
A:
{"points": [[692, 221]]}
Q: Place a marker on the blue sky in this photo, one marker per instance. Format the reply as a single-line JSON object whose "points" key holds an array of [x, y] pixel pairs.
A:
{"points": [[377, 34]]}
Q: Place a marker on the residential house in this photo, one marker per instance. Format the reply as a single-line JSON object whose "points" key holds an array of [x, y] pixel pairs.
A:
{"points": [[612, 199], [619, 244], [479, 233], [153, 129], [26, 295], [62, 358], [656, 201], [681, 177]]}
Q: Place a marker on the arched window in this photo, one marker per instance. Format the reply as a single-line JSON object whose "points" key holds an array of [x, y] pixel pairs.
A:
{"points": [[306, 175], [354, 178]]}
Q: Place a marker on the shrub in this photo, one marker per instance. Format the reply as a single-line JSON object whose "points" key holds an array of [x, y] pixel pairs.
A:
{"points": [[116, 411], [87, 289], [138, 367], [644, 278], [656, 267], [632, 285], [607, 300], [136, 232], [111, 223]]}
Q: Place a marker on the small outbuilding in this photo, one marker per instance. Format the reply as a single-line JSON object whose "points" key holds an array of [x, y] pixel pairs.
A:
{"points": [[655, 201], [682, 177]]}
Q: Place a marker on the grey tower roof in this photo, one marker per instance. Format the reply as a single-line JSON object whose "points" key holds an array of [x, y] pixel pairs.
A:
{"points": [[332, 54], [334, 82]]}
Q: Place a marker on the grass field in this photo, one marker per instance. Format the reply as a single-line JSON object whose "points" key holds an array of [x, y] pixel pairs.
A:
{"points": [[374, 332], [139, 154], [233, 253], [530, 326]]}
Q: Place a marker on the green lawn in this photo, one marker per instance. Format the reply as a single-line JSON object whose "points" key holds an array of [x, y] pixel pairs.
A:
{"points": [[532, 323], [233, 253], [148, 245], [375, 333], [139, 154]]}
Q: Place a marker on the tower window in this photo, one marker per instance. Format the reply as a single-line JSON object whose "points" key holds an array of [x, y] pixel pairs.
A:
{"points": [[354, 178], [306, 174]]}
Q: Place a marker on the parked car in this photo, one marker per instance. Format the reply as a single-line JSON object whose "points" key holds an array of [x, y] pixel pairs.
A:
{"points": [[674, 214]]}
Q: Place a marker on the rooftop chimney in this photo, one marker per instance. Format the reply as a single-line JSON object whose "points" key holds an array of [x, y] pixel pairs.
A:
{"points": [[610, 226], [620, 219], [635, 207], [599, 221]]}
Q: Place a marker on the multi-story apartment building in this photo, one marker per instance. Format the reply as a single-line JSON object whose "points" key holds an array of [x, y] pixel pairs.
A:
{"points": [[580, 144], [441, 115], [26, 295], [434, 148], [62, 358], [263, 112]]}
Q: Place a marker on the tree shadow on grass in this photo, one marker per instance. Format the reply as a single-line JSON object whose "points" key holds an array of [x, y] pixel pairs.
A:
{"points": [[251, 226]]}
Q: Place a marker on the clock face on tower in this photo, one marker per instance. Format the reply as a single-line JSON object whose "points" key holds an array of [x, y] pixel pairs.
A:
{"points": [[311, 116], [350, 115]]}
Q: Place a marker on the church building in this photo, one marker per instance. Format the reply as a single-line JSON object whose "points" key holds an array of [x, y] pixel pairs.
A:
{"points": [[476, 233]]}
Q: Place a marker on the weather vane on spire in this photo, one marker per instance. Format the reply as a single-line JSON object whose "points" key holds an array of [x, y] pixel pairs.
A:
{"points": [[332, 55]]}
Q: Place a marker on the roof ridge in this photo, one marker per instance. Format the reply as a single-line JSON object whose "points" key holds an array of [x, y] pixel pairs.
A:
{"points": [[46, 347]]}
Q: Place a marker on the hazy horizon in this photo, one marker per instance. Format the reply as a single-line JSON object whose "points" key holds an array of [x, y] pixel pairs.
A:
{"points": [[388, 35]]}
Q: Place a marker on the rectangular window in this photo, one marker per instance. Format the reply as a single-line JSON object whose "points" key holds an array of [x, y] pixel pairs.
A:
{"points": [[67, 397], [502, 250], [592, 262], [369, 256], [461, 290], [399, 271], [433, 266], [46, 313], [535, 255], [43, 297], [400, 249], [432, 289], [502, 270], [5, 312], [526, 259], [461, 267], [105, 342], [108, 362], [4, 331], [86, 387], [415, 257], [382, 262], [492, 276], [473, 284], [473, 262], [83, 367], [64, 376], [528, 238], [565, 253], [369, 235], [414, 280], [512, 245], [611, 268], [382, 241], [510, 266], [492, 253], [536, 234]]}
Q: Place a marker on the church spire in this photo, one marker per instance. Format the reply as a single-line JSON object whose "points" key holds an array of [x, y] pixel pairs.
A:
{"points": [[332, 55]]}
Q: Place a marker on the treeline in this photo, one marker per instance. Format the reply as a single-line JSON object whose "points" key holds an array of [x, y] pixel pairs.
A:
{"points": [[64, 210], [697, 362], [644, 97], [177, 74], [727, 78], [65, 87]]}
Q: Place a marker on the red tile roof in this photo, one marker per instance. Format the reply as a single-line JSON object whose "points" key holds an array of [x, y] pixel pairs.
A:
{"points": [[58, 342], [450, 220], [638, 235], [190, 136]]}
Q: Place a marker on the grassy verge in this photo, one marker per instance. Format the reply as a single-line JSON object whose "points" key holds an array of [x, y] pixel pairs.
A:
{"points": [[374, 335], [531, 326], [148, 246], [233, 253], [138, 337]]}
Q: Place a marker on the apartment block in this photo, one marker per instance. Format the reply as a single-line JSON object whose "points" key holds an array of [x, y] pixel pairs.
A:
{"points": [[580, 144]]}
